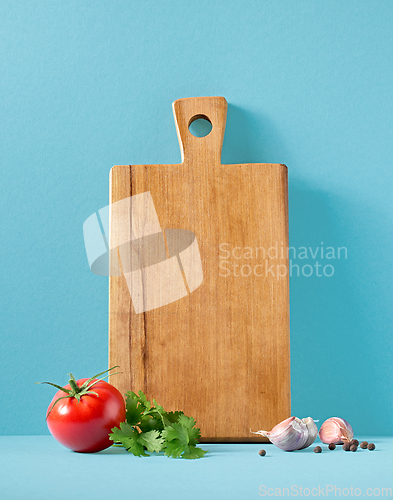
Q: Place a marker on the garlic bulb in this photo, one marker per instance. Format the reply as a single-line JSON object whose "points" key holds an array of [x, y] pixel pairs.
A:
{"points": [[335, 430], [292, 433]]}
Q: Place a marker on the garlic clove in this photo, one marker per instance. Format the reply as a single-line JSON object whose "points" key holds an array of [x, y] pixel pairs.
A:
{"points": [[312, 431], [291, 434], [288, 435], [281, 427], [335, 430]]}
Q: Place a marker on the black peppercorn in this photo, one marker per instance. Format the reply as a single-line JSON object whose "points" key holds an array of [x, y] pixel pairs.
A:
{"points": [[353, 447], [346, 446], [354, 441], [262, 453], [371, 446], [317, 449], [332, 446], [363, 445]]}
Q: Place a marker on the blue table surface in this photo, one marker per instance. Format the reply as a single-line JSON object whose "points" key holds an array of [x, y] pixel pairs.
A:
{"points": [[37, 467]]}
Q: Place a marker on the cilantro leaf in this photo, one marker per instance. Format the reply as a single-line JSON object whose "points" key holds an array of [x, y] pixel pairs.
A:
{"points": [[174, 449], [133, 411], [148, 423], [128, 436], [152, 440], [181, 438], [172, 416], [191, 452], [194, 433], [140, 398], [158, 408]]}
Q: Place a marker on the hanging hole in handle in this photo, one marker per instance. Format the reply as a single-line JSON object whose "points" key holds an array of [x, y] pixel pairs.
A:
{"points": [[200, 126]]}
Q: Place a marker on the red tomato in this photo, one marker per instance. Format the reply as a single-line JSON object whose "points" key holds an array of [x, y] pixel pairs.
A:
{"points": [[84, 426]]}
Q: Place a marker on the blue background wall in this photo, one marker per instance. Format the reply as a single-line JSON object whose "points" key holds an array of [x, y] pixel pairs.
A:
{"points": [[86, 85]]}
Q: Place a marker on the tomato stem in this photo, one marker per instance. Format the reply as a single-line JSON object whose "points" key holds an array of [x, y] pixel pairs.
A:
{"points": [[76, 391], [73, 384], [88, 383], [57, 386]]}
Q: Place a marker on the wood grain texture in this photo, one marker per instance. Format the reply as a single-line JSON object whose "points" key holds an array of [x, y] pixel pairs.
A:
{"points": [[220, 354]]}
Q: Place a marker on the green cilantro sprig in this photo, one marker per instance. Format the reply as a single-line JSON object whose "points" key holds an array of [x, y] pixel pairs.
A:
{"points": [[151, 428]]}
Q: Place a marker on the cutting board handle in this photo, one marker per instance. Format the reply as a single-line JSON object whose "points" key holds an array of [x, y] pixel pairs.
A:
{"points": [[185, 111]]}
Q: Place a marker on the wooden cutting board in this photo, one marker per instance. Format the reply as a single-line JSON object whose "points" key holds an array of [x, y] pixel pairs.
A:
{"points": [[199, 319]]}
